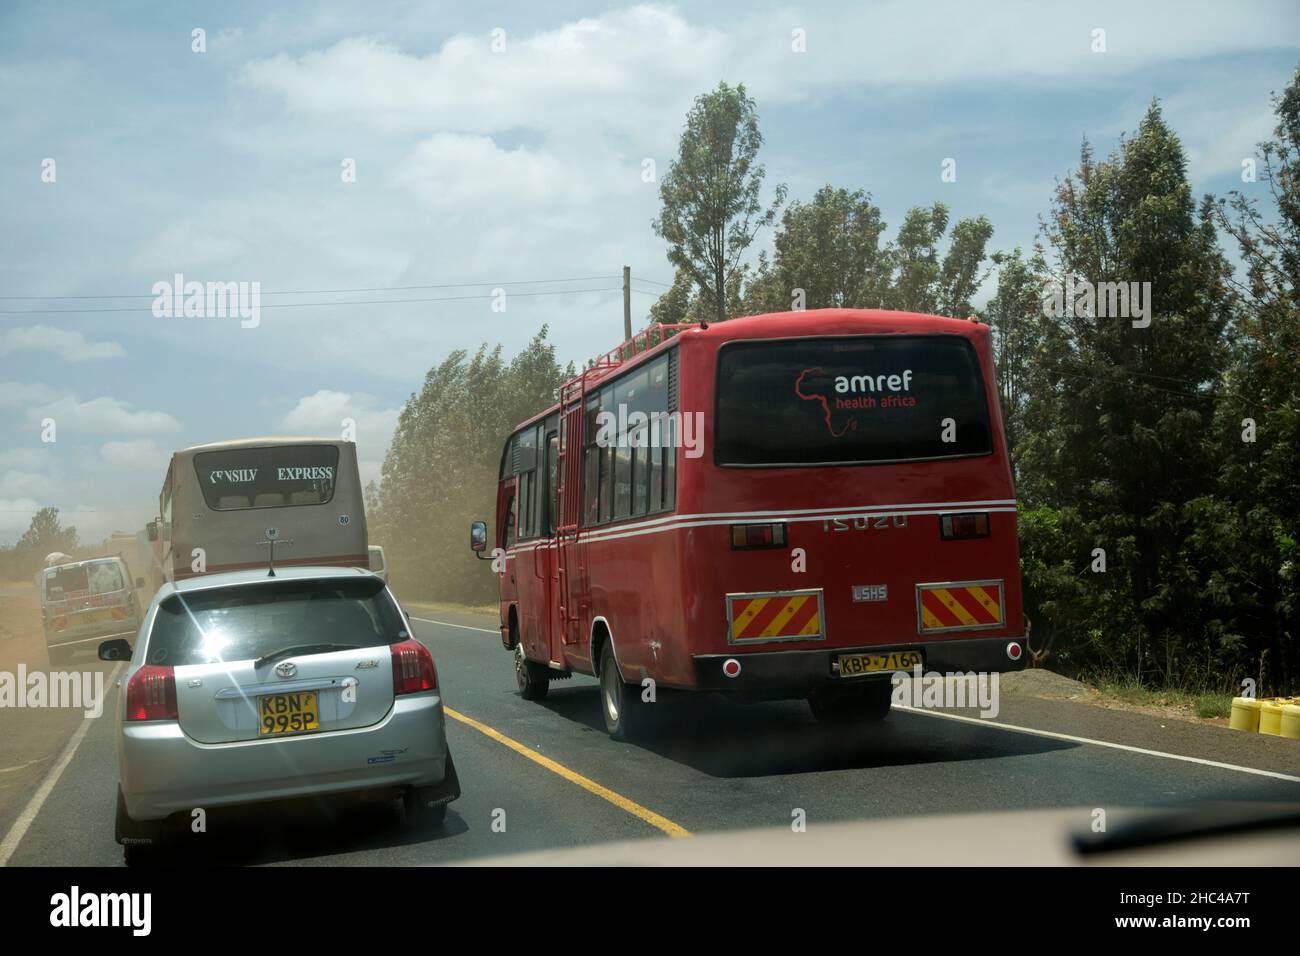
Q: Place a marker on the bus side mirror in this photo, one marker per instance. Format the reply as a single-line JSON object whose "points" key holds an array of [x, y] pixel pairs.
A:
{"points": [[478, 536], [151, 530], [115, 650]]}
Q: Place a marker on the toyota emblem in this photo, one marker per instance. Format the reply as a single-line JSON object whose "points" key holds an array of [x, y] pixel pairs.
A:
{"points": [[286, 669]]}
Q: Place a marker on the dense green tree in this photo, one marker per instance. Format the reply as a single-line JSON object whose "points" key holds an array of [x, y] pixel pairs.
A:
{"points": [[1118, 417], [1252, 527], [441, 469], [1015, 316], [830, 249], [711, 196]]}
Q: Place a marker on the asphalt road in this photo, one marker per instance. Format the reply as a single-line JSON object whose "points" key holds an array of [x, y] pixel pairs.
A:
{"points": [[711, 765]]}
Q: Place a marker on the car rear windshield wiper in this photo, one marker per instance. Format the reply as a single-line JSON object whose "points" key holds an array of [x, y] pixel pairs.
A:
{"points": [[302, 649]]}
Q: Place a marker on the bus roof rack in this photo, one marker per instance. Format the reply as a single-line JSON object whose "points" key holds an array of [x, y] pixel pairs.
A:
{"points": [[643, 341]]}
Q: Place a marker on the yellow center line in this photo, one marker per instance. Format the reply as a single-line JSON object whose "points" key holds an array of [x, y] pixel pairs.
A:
{"points": [[620, 801]]}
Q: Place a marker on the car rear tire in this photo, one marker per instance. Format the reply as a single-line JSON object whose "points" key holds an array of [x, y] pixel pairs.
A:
{"points": [[626, 714], [868, 704], [419, 815], [533, 679]]}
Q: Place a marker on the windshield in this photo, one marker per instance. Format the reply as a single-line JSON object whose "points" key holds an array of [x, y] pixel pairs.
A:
{"points": [[849, 400], [267, 477], [249, 621], [82, 579]]}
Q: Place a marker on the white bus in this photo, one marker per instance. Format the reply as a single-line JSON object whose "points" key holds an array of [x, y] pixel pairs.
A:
{"points": [[223, 505]]}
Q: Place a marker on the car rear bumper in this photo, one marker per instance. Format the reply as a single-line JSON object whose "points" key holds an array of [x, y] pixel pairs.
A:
{"points": [[789, 674], [164, 772]]}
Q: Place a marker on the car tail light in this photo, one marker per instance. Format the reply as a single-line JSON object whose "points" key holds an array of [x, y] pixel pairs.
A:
{"points": [[151, 694], [746, 536], [413, 669], [972, 525]]}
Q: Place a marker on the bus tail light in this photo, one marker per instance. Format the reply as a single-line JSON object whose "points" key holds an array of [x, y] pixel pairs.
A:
{"points": [[413, 669], [151, 694], [974, 524], [750, 536]]}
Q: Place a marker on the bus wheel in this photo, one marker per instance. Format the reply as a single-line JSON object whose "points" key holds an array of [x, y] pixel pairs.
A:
{"points": [[620, 704], [532, 678], [862, 705]]}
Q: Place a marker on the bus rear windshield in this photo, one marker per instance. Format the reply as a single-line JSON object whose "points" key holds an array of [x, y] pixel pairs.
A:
{"points": [[866, 399], [267, 477]]}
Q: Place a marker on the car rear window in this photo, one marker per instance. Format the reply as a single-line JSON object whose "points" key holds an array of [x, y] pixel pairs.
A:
{"points": [[248, 621], [849, 400], [101, 578]]}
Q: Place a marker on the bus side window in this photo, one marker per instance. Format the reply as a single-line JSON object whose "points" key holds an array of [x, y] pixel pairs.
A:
{"points": [[508, 532], [552, 490]]}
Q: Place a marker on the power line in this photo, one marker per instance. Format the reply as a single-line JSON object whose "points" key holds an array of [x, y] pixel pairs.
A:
{"points": [[300, 305], [394, 288]]}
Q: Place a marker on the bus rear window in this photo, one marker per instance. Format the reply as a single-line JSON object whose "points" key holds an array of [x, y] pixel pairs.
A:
{"points": [[866, 399], [267, 477]]}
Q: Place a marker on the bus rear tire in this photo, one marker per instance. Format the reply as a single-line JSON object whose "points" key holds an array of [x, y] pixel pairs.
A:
{"points": [[621, 705], [868, 704], [533, 679]]}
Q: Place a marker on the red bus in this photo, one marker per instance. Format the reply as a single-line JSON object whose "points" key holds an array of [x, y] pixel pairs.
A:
{"points": [[833, 503]]}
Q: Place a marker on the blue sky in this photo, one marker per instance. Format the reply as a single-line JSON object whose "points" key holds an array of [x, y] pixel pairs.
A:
{"points": [[475, 166]]}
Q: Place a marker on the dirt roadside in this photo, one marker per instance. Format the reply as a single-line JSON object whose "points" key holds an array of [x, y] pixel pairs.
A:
{"points": [[31, 738]]}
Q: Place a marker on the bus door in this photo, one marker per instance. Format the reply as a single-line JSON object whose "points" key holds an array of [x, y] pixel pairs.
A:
{"points": [[547, 550], [569, 576]]}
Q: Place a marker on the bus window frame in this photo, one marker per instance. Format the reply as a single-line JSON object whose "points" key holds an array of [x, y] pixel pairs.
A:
{"points": [[980, 381], [606, 455]]}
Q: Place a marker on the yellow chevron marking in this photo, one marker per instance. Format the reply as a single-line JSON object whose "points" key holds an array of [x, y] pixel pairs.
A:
{"points": [[783, 616], [741, 621], [987, 602], [950, 602]]}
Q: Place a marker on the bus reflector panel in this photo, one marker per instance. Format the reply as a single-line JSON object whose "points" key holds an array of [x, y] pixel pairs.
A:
{"points": [[775, 616], [958, 606]]}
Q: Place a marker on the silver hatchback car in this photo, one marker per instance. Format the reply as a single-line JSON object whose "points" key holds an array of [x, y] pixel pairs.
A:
{"points": [[245, 687]]}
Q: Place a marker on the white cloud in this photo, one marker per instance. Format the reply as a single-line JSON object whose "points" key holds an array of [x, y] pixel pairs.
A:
{"points": [[103, 415], [632, 69], [25, 459], [323, 413], [137, 454], [16, 394], [66, 343], [608, 69], [22, 483], [449, 172]]}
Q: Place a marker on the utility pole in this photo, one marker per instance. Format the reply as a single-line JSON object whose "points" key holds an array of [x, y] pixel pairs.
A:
{"points": [[627, 303]]}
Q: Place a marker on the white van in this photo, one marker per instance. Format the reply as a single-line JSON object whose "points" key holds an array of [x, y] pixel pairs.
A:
{"points": [[377, 563], [85, 601]]}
